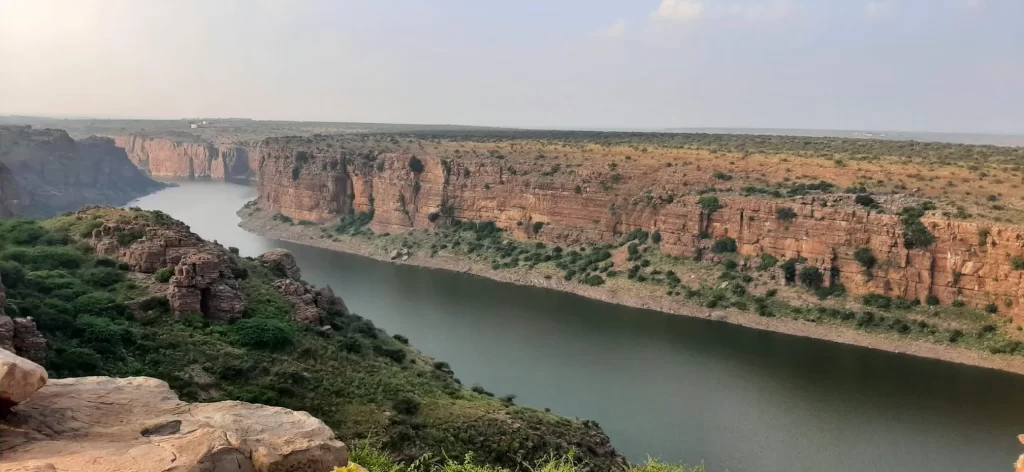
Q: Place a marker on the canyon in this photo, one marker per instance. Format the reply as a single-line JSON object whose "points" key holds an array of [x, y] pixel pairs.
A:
{"points": [[595, 194], [188, 157], [45, 172]]}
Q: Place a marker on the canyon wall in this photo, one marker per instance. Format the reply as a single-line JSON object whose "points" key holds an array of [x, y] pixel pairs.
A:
{"points": [[49, 173], [969, 261], [189, 159]]}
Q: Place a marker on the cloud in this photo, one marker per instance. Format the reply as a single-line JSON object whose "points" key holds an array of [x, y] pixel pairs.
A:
{"points": [[692, 10], [679, 10], [616, 30], [878, 9], [975, 3]]}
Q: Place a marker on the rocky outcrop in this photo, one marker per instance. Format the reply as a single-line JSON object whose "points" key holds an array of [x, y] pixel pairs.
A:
{"points": [[19, 379], [200, 285], [282, 261], [137, 424], [414, 184], [55, 174], [203, 280], [309, 305], [28, 341], [188, 157]]}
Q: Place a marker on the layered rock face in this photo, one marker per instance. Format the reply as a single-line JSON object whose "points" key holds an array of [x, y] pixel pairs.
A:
{"points": [[55, 174], [203, 281], [138, 424], [419, 186], [188, 158]]}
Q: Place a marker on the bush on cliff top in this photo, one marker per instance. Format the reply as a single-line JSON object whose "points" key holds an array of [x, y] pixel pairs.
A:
{"points": [[353, 377]]}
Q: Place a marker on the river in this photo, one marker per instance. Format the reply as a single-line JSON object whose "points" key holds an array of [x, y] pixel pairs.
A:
{"points": [[675, 388]]}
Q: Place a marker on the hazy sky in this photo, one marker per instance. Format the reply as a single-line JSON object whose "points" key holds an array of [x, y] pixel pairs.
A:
{"points": [[932, 65]]}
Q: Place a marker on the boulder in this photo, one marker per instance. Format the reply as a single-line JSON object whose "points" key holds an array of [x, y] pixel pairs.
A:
{"points": [[282, 260], [19, 379], [95, 424]]}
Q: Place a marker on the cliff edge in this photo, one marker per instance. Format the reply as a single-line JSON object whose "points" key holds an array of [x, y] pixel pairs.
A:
{"points": [[55, 174]]}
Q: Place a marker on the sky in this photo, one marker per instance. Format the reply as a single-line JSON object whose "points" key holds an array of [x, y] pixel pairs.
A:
{"points": [[914, 65]]}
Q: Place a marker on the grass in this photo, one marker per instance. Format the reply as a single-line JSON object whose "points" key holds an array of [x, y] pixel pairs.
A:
{"points": [[99, 319], [374, 460]]}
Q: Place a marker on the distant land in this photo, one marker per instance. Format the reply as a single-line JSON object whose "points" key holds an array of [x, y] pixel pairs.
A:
{"points": [[82, 126], [958, 138]]}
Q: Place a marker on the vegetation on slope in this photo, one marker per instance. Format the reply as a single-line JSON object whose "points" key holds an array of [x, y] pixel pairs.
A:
{"points": [[374, 460], [100, 319], [637, 266]]}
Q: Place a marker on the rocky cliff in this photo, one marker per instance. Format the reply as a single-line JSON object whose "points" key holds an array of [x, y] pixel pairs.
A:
{"points": [[54, 173], [189, 157], [582, 193]]}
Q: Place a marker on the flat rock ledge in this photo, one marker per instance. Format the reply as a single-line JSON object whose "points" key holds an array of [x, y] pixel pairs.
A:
{"points": [[93, 424]]}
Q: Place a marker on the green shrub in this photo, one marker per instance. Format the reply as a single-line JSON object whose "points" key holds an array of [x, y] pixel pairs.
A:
{"points": [[768, 261], [811, 277], [51, 258], [865, 257], [932, 300], [992, 308], [102, 276], [97, 304], [406, 405], [709, 203], [656, 237], [724, 245], [415, 165], [396, 354], [126, 238], [21, 231], [1017, 262], [864, 200], [163, 275], [785, 214], [594, 280], [262, 333], [537, 226], [400, 338], [915, 234], [877, 301]]}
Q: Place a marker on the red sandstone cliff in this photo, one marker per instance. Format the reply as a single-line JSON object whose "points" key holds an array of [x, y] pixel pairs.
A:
{"points": [[192, 159], [312, 180], [54, 173]]}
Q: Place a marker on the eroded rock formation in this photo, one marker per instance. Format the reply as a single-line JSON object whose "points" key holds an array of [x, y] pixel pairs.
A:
{"points": [[282, 261], [418, 186], [309, 304], [55, 174], [137, 424], [203, 280], [188, 157]]}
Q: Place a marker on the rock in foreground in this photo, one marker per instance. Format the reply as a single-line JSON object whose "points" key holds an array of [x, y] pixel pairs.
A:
{"points": [[19, 379], [138, 425]]}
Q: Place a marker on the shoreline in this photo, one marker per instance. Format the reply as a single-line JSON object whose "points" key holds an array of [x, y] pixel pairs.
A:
{"points": [[976, 358]]}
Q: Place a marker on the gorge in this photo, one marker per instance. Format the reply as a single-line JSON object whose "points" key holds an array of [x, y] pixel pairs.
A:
{"points": [[676, 388]]}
